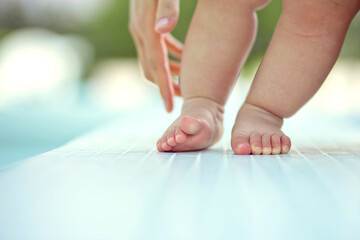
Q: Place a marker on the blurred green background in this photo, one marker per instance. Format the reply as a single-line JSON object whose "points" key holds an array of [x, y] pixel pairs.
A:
{"points": [[106, 29]]}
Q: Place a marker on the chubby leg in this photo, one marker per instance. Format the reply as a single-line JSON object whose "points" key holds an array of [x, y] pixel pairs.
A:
{"points": [[219, 40], [304, 48]]}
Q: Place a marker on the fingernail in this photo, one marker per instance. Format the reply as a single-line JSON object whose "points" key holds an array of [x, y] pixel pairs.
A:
{"points": [[163, 22]]}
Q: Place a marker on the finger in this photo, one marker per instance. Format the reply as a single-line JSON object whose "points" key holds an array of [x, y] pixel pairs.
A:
{"points": [[175, 48], [174, 68], [142, 56], [175, 71], [159, 66], [164, 81], [167, 15], [177, 90]]}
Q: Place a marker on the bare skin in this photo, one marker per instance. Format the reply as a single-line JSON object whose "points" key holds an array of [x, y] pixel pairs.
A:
{"points": [[199, 126], [304, 48], [150, 24], [257, 131], [211, 63]]}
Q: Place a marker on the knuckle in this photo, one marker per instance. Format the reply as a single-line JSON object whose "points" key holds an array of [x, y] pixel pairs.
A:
{"points": [[141, 26], [169, 8], [148, 76], [168, 5], [135, 24]]}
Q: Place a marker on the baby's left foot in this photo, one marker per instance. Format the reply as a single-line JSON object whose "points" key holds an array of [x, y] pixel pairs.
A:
{"points": [[257, 131]]}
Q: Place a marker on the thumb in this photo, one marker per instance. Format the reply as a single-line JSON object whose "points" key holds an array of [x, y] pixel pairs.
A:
{"points": [[167, 15]]}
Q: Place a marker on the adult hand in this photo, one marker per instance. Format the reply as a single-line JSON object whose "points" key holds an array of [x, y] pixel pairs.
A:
{"points": [[151, 22]]}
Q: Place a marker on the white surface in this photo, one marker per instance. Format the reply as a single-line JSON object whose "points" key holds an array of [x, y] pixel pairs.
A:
{"points": [[112, 184]]}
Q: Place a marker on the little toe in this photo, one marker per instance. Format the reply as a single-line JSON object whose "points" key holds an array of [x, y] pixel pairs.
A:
{"points": [[190, 125], [255, 141], [180, 136], [266, 144], [285, 144], [240, 145], [158, 147], [276, 144]]}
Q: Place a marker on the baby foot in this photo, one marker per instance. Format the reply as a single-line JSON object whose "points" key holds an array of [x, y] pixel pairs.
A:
{"points": [[198, 127], [257, 131]]}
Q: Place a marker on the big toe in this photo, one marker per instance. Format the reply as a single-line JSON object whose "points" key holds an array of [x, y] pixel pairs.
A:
{"points": [[285, 144], [191, 125], [241, 145]]}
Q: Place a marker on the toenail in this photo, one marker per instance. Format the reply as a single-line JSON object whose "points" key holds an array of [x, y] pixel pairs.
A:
{"points": [[285, 149], [266, 150], [241, 146], [172, 140], [276, 151], [177, 137], [163, 145]]}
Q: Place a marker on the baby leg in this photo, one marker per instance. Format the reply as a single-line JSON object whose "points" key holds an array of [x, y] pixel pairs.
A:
{"points": [[219, 40], [304, 48]]}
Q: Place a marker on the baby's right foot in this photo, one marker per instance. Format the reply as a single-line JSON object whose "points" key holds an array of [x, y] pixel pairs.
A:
{"points": [[198, 127]]}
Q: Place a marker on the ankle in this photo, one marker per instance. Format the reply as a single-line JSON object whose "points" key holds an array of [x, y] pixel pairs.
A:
{"points": [[262, 112], [203, 102], [204, 108]]}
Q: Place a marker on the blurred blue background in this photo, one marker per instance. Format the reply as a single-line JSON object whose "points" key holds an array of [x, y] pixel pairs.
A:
{"points": [[67, 67]]}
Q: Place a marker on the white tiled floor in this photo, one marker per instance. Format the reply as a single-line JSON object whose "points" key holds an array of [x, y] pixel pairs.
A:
{"points": [[113, 184]]}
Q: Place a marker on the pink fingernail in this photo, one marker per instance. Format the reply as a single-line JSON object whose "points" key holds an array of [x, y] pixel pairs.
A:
{"points": [[163, 22]]}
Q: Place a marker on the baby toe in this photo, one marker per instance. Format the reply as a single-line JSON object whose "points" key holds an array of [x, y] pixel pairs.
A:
{"points": [[165, 146], [180, 136], [171, 140], [255, 141], [266, 144], [240, 144], [276, 144], [285, 144], [158, 146], [190, 125]]}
